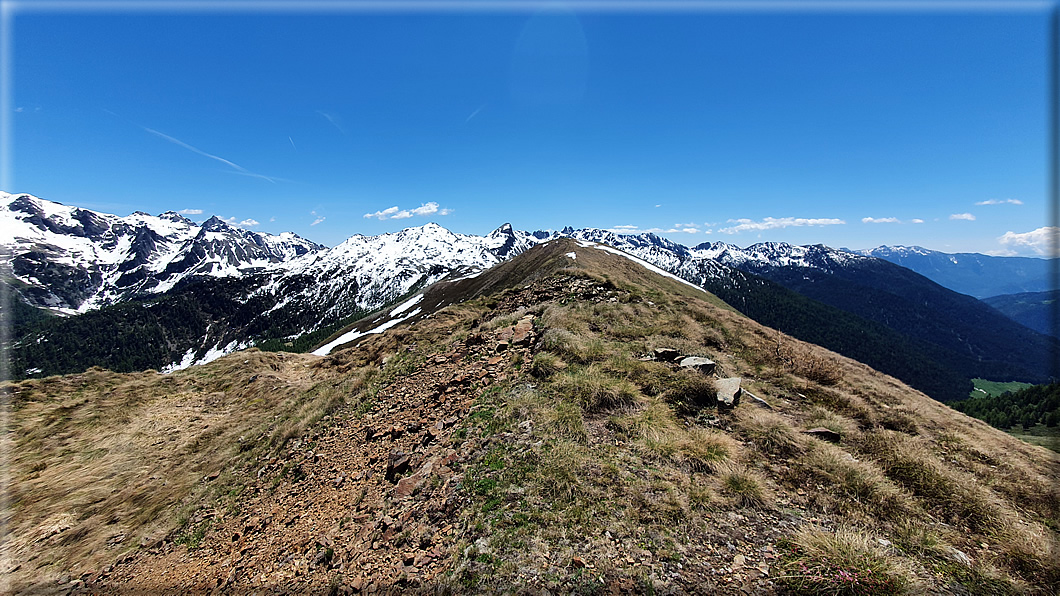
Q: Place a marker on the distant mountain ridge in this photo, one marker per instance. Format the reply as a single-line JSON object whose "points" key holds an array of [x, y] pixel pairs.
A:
{"points": [[209, 289], [981, 276], [74, 260]]}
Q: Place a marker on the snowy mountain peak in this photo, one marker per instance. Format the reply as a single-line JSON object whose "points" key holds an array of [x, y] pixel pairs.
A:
{"points": [[505, 229], [175, 217], [215, 224]]}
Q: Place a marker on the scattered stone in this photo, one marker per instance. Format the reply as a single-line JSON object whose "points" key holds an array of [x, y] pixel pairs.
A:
{"points": [[397, 463], [728, 391], [666, 354], [521, 332], [703, 365], [758, 400], [825, 434], [502, 346]]}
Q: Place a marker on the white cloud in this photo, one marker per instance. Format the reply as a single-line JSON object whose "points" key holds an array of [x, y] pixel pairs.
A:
{"points": [[772, 223], [1042, 241], [249, 223], [190, 211], [396, 213], [1001, 202], [963, 216], [318, 220], [677, 229], [916, 220], [880, 220]]}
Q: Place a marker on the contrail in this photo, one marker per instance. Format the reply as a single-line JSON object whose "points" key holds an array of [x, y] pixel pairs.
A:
{"points": [[475, 113], [332, 120], [230, 164]]}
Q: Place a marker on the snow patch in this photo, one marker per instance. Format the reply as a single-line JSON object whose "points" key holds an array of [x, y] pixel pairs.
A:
{"points": [[649, 266], [406, 305], [212, 354], [572, 255], [352, 335]]}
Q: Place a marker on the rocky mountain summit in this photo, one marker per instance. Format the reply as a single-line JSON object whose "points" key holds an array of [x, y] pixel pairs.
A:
{"points": [[531, 430]]}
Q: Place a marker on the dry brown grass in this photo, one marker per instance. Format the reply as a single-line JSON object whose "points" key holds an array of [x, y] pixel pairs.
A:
{"points": [[861, 490], [809, 364], [768, 432], [841, 562], [103, 461]]}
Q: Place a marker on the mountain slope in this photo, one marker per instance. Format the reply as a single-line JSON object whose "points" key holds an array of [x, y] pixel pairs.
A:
{"points": [[522, 439], [1035, 310], [931, 337], [971, 273], [957, 331]]}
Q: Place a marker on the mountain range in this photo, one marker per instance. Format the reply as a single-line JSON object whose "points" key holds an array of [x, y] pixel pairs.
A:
{"points": [[981, 276], [171, 293]]}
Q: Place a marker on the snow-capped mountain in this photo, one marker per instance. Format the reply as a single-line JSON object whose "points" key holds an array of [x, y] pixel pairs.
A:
{"points": [[216, 289], [74, 260], [366, 272]]}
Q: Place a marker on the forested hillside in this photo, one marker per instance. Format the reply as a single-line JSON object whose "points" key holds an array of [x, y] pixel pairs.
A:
{"points": [[1039, 404]]}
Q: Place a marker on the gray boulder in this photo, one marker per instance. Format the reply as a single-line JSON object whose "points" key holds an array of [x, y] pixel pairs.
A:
{"points": [[728, 391], [703, 365]]}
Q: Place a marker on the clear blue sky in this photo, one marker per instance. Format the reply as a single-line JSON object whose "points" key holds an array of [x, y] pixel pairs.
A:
{"points": [[741, 126]]}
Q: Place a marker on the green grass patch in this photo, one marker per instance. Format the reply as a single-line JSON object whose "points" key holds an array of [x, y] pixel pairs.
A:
{"points": [[985, 388]]}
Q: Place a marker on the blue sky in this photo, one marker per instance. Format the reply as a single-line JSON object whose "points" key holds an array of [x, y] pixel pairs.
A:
{"points": [[848, 127]]}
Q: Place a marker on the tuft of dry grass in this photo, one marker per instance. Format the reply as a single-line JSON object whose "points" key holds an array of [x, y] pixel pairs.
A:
{"points": [[594, 389], [844, 562], [860, 487], [807, 363], [949, 493], [769, 432], [746, 487], [546, 364], [698, 449]]}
